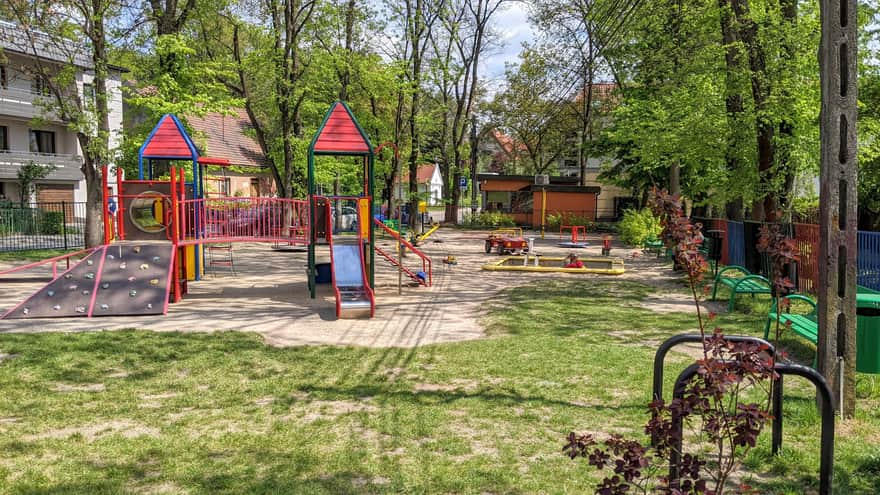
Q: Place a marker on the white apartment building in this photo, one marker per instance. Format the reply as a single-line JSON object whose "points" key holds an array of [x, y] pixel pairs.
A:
{"points": [[30, 133]]}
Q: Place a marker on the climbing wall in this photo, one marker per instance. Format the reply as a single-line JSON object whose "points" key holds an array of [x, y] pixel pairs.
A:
{"points": [[70, 294], [135, 279], [125, 278]]}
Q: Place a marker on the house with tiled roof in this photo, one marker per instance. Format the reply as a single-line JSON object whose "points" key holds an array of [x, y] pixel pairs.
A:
{"points": [[502, 151], [231, 137], [429, 184]]}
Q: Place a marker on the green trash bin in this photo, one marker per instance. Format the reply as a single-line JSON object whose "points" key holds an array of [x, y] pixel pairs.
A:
{"points": [[868, 333]]}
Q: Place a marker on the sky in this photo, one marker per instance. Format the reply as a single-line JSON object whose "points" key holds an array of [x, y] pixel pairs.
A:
{"points": [[513, 25]]}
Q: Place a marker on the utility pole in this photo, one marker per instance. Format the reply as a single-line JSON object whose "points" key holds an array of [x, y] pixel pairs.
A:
{"points": [[474, 157], [837, 201]]}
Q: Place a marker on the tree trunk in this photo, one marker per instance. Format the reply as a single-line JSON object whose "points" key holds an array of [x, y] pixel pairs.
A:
{"points": [[733, 101], [748, 33]]}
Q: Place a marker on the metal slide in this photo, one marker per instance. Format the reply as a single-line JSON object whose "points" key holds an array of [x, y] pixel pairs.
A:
{"points": [[354, 296]]}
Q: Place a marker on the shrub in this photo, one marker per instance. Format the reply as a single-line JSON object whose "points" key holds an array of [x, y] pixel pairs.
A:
{"points": [[51, 222], [637, 226], [488, 219], [554, 220]]}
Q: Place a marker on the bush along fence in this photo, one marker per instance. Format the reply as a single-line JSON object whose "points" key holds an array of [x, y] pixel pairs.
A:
{"points": [[58, 225], [739, 241]]}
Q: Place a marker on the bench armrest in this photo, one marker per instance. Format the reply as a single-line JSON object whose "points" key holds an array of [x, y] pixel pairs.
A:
{"points": [[750, 277], [797, 297], [738, 268]]}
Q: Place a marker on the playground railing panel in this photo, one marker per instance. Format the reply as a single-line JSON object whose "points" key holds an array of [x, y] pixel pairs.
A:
{"points": [[240, 219]]}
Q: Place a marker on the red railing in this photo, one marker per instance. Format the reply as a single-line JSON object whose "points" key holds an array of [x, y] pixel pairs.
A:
{"points": [[53, 261], [210, 220], [426, 261]]}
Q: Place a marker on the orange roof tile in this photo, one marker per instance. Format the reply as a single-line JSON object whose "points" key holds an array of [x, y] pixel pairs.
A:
{"points": [[227, 136]]}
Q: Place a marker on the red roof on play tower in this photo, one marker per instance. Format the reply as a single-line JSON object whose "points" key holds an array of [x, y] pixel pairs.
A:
{"points": [[341, 133], [169, 140]]}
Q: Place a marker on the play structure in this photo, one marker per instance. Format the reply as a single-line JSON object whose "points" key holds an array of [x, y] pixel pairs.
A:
{"points": [[603, 266], [578, 236], [156, 228]]}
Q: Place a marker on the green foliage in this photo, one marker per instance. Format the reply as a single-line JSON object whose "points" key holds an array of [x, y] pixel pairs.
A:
{"points": [[488, 219], [556, 219], [51, 222], [27, 176], [637, 226]]}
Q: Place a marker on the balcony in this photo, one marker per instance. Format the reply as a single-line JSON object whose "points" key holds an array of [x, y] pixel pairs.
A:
{"points": [[21, 103], [67, 167]]}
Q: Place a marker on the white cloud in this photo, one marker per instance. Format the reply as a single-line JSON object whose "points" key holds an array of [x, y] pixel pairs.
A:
{"points": [[513, 26]]}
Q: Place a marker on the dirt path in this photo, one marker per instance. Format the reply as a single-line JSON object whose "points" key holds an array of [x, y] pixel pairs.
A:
{"points": [[269, 296]]}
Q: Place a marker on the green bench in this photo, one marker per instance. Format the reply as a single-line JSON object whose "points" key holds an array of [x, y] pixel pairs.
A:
{"points": [[805, 325], [745, 283], [653, 245]]}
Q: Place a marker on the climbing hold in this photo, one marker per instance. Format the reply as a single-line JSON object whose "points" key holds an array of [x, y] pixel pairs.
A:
{"points": [[105, 285], [68, 276], [90, 276], [80, 309], [155, 259], [50, 293], [86, 292], [111, 257], [56, 307], [136, 249], [105, 307], [150, 306], [122, 266], [144, 266], [154, 281], [25, 311], [132, 293], [132, 279], [90, 262], [72, 287]]}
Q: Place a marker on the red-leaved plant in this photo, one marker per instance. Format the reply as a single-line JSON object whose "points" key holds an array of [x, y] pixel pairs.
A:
{"points": [[722, 424], [783, 253]]}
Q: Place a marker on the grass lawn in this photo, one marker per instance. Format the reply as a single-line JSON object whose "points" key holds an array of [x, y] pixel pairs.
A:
{"points": [[144, 412]]}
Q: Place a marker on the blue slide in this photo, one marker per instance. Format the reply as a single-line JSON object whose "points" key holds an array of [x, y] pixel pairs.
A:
{"points": [[354, 296]]}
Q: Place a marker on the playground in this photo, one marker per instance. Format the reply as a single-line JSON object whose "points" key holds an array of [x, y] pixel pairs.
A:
{"points": [[466, 386], [276, 345], [268, 294]]}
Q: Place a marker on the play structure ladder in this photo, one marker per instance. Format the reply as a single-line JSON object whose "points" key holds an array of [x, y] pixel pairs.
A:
{"points": [[114, 279], [426, 261]]}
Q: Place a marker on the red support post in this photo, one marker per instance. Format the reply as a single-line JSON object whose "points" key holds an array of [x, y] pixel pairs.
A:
{"points": [[106, 207], [120, 205]]}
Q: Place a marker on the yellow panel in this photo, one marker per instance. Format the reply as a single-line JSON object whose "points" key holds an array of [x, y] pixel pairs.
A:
{"points": [[191, 261], [615, 266], [364, 218]]}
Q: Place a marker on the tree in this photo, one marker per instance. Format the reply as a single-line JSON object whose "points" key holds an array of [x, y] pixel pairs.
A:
{"points": [[457, 48], [77, 30], [269, 68], [28, 175], [532, 109]]}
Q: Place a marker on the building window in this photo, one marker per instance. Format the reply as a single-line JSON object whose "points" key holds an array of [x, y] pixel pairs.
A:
{"points": [[39, 85], [4, 78], [4, 138], [42, 141]]}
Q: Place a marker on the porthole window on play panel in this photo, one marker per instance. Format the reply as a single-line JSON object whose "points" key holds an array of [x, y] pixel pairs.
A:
{"points": [[148, 212]]}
